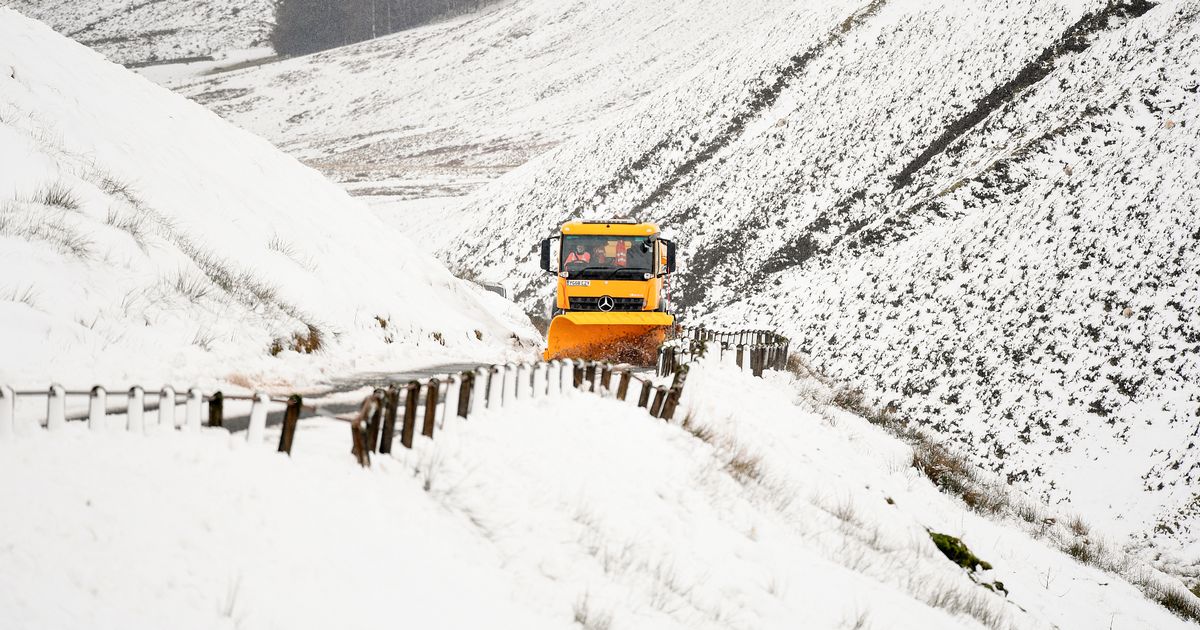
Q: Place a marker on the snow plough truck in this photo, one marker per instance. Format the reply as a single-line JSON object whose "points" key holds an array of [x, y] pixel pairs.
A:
{"points": [[611, 302]]}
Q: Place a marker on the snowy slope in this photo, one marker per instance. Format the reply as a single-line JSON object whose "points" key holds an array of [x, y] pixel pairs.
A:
{"points": [[773, 511], [984, 211], [439, 110], [156, 31], [142, 237]]}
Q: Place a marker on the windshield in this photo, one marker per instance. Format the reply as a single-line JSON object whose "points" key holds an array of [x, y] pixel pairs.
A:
{"points": [[604, 257]]}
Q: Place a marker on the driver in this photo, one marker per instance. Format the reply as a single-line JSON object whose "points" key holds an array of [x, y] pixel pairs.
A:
{"points": [[580, 255]]}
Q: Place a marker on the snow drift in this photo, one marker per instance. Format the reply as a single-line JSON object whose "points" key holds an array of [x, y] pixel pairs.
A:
{"points": [[141, 237], [771, 510]]}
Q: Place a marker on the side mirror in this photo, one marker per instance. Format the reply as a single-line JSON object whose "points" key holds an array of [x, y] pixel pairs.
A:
{"points": [[669, 268], [546, 255]]}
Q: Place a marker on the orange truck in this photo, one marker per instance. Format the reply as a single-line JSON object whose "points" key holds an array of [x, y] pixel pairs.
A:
{"points": [[611, 300]]}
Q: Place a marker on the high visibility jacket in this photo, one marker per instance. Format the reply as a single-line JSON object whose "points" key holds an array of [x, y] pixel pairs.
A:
{"points": [[622, 258], [574, 257]]}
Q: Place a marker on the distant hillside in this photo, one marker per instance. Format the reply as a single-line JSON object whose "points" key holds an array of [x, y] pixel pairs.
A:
{"points": [[443, 109], [143, 238], [154, 31]]}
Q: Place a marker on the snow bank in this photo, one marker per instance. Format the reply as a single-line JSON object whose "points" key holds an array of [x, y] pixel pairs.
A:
{"points": [[142, 238], [767, 513]]}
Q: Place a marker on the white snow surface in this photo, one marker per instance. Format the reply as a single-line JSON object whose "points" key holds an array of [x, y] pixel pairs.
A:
{"points": [[548, 513], [143, 239], [156, 31], [441, 109], [983, 212]]}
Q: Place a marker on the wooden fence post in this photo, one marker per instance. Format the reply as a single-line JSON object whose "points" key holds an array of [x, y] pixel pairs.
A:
{"points": [[376, 421], [589, 375], [135, 410], [577, 374], [216, 410], [740, 353], [660, 395], [465, 389], [606, 378], [644, 397], [195, 400], [8, 411], [674, 394], [412, 392], [56, 408], [431, 403], [623, 385], [97, 408], [291, 418], [391, 406], [358, 433]]}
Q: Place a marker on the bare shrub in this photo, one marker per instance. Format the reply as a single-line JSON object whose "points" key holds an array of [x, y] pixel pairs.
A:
{"points": [[203, 339], [971, 602], [133, 223], [191, 287], [744, 466], [590, 618], [1174, 597], [308, 341], [53, 229], [277, 244], [26, 296], [1078, 526]]}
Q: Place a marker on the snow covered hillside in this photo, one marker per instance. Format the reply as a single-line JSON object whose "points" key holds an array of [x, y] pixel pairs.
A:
{"points": [[771, 510], [440, 110], [157, 31], [984, 211], [142, 237]]}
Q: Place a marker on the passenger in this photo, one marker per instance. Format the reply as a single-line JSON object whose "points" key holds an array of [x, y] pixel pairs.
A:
{"points": [[579, 256], [599, 256], [622, 257]]}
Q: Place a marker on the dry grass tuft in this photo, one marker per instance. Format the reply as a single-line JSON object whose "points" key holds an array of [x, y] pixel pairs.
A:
{"points": [[306, 342], [26, 296], [744, 466], [56, 194], [589, 618]]}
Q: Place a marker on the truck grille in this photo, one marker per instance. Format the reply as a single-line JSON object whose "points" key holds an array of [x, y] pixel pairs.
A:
{"points": [[619, 304]]}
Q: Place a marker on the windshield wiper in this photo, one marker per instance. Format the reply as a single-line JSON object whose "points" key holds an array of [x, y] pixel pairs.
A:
{"points": [[583, 271]]}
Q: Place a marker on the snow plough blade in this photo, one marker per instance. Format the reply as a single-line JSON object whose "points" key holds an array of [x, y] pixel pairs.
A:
{"points": [[615, 337]]}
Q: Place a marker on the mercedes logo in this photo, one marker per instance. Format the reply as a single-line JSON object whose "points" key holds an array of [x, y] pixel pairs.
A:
{"points": [[607, 303]]}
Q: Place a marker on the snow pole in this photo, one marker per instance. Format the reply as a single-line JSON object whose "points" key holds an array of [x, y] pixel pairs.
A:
{"points": [[56, 408], [258, 418], [135, 410], [166, 407], [97, 408], [8, 411]]}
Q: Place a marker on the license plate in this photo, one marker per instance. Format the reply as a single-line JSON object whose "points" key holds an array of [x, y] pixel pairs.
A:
{"points": [[579, 283]]}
